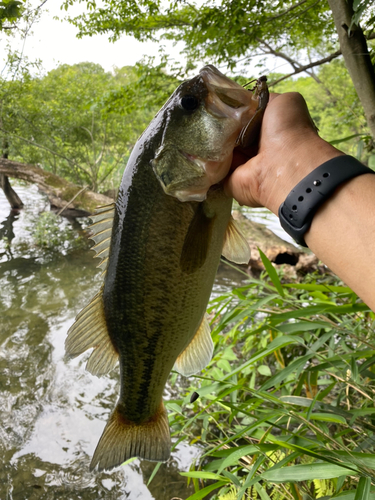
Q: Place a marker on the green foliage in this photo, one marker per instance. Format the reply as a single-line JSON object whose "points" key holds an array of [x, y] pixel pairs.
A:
{"points": [[52, 233], [303, 428], [236, 34], [361, 8], [224, 32], [10, 11], [221, 32], [334, 106], [70, 123]]}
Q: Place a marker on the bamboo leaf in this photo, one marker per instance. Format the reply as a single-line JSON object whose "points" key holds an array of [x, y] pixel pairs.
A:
{"points": [[156, 468], [345, 139], [273, 346], [262, 492], [271, 273], [319, 309], [303, 326], [235, 456], [296, 400], [354, 457], [234, 479], [363, 489], [250, 480], [201, 474], [350, 495], [328, 417], [305, 472], [205, 491], [283, 374], [310, 287]]}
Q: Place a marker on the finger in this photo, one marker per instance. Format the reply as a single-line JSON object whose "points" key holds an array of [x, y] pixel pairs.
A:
{"points": [[242, 155], [240, 185]]}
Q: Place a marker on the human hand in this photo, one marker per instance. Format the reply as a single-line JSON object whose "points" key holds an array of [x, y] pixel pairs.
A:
{"points": [[289, 149]]}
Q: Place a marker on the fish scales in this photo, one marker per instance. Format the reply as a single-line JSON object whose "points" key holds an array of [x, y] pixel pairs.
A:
{"points": [[153, 308], [160, 245]]}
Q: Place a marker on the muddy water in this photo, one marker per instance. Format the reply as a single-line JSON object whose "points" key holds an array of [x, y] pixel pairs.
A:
{"points": [[52, 411]]}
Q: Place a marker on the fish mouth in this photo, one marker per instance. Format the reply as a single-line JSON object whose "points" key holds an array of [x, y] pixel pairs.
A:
{"points": [[226, 98], [200, 162]]}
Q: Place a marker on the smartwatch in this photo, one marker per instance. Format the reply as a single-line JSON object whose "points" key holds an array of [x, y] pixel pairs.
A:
{"points": [[298, 209]]}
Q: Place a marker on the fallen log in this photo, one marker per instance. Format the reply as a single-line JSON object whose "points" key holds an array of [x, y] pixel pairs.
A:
{"points": [[278, 251], [63, 195], [76, 201]]}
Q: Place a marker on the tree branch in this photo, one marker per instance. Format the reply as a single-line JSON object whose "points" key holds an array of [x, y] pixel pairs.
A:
{"points": [[298, 68], [301, 69], [292, 7], [277, 53]]}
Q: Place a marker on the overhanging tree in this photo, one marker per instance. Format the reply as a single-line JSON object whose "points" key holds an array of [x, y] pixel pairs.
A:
{"points": [[61, 121], [305, 33]]}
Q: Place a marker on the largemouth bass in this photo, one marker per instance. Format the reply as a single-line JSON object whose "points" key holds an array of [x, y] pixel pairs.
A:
{"points": [[160, 245]]}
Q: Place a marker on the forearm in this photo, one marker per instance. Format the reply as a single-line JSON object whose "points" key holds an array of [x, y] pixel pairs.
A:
{"points": [[342, 235]]}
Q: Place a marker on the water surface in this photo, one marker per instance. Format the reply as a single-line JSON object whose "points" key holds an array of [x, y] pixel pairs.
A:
{"points": [[52, 412]]}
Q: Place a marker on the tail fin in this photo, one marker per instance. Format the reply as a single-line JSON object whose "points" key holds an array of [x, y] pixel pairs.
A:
{"points": [[123, 439]]}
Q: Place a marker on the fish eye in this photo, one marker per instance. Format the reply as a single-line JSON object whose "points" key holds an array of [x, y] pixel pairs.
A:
{"points": [[189, 102]]}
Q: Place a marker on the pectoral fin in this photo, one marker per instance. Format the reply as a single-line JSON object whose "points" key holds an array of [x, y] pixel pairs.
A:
{"points": [[236, 248], [90, 330], [197, 241], [198, 353]]}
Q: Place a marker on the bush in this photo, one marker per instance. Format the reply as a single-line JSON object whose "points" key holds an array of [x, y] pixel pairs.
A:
{"points": [[286, 406], [51, 232]]}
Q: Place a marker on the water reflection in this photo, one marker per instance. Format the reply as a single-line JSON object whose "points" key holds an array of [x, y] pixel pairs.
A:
{"points": [[52, 411], [7, 233]]}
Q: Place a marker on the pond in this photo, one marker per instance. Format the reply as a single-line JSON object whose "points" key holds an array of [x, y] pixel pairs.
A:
{"points": [[52, 411]]}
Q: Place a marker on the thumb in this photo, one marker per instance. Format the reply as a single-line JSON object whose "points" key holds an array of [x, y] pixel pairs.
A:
{"points": [[242, 185]]}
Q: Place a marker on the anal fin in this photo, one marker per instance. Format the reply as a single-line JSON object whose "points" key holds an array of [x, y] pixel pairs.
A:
{"points": [[235, 248], [198, 353], [123, 439], [90, 330]]}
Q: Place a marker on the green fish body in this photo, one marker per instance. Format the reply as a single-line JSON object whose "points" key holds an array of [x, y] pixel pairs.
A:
{"points": [[160, 245]]}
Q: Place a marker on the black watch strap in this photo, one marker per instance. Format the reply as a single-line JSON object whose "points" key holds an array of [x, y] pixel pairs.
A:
{"points": [[299, 207]]}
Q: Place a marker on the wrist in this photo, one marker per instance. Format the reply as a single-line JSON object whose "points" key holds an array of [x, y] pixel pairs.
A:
{"points": [[295, 163], [300, 206]]}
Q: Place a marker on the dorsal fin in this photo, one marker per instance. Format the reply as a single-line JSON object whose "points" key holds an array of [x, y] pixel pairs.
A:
{"points": [[235, 248], [90, 330], [90, 327], [102, 232]]}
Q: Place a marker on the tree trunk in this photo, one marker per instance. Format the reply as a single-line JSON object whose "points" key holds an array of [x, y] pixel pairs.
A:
{"points": [[63, 195], [13, 198], [357, 58]]}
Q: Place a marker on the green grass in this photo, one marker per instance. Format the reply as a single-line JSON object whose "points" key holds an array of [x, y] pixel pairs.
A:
{"points": [[286, 407]]}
